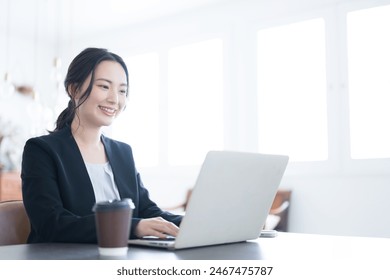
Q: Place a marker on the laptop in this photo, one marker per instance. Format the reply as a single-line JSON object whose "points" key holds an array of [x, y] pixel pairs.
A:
{"points": [[230, 201]]}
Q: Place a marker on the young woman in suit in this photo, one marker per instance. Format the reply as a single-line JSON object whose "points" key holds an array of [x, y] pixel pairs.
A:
{"points": [[65, 172]]}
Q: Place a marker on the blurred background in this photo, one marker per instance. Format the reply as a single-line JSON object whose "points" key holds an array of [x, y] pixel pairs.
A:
{"points": [[305, 78]]}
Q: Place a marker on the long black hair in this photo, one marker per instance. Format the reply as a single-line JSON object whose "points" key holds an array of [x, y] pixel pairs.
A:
{"points": [[79, 70]]}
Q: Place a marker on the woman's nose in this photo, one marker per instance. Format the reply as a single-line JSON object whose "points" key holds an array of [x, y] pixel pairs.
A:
{"points": [[113, 96]]}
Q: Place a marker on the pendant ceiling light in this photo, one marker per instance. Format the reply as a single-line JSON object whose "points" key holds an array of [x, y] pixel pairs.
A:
{"points": [[36, 47], [8, 87], [57, 76]]}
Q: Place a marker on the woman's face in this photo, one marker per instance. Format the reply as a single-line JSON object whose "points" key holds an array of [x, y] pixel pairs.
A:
{"points": [[107, 98]]}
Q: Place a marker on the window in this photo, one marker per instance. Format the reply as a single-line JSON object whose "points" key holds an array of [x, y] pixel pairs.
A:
{"points": [[192, 111], [195, 101], [292, 111], [369, 87], [139, 123]]}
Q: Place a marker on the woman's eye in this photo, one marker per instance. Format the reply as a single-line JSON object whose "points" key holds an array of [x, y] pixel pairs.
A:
{"points": [[123, 92], [103, 86]]}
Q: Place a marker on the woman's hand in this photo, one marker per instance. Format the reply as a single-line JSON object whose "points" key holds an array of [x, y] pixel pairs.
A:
{"points": [[156, 227]]}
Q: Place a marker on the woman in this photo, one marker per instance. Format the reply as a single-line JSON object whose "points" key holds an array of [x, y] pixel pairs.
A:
{"points": [[66, 172]]}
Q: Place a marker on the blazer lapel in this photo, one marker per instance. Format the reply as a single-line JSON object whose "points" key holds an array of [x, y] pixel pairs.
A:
{"points": [[122, 167]]}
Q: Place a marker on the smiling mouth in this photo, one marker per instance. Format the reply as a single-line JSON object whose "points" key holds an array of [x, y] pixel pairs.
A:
{"points": [[107, 110]]}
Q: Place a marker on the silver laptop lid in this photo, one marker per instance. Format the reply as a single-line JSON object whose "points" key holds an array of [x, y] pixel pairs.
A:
{"points": [[231, 199]]}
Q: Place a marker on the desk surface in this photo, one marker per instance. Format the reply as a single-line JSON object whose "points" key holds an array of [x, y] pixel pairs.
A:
{"points": [[286, 246]]}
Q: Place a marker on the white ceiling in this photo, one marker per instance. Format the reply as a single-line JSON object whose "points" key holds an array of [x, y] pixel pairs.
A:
{"points": [[86, 16], [120, 12]]}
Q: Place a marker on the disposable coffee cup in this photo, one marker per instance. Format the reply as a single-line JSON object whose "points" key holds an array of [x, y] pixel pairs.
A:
{"points": [[113, 221]]}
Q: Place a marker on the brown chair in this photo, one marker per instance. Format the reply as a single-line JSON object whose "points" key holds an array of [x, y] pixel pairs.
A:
{"points": [[280, 208], [14, 223]]}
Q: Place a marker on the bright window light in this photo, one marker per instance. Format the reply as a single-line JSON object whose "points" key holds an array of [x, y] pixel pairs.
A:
{"points": [[369, 82], [292, 107], [195, 102], [138, 124]]}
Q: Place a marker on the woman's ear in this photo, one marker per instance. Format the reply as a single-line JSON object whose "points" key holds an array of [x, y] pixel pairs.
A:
{"points": [[72, 91]]}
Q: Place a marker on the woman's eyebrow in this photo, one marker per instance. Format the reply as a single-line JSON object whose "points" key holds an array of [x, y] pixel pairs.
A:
{"points": [[109, 81]]}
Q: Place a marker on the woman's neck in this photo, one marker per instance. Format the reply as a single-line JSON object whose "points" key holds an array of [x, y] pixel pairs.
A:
{"points": [[89, 142], [85, 135]]}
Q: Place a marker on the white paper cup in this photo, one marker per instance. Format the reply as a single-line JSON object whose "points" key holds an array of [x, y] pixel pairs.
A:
{"points": [[112, 252]]}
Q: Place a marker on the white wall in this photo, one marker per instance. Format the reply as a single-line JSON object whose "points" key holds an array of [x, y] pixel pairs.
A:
{"points": [[341, 205], [335, 197]]}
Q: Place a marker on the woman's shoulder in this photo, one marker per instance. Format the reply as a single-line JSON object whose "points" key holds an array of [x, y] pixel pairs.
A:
{"points": [[55, 137]]}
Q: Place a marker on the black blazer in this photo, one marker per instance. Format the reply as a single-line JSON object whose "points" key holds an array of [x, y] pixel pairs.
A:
{"points": [[58, 194]]}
